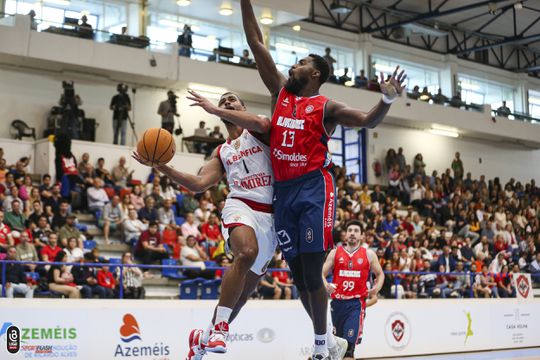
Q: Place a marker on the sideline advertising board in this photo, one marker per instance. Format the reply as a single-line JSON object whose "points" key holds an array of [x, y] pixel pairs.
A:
{"points": [[269, 330]]}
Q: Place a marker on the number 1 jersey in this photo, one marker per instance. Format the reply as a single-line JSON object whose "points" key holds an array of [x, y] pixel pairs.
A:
{"points": [[298, 139], [246, 161]]}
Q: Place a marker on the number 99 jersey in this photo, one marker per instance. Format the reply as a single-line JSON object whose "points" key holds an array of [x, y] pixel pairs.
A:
{"points": [[298, 138], [351, 272]]}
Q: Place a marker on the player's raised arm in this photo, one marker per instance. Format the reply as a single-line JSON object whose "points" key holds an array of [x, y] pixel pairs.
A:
{"points": [[327, 268], [243, 119], [340, 114], [270, 75], [209, 175], [377, 270]]}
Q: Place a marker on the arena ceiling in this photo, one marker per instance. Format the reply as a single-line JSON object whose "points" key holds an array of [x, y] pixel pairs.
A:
{"points": [[502, 33]]}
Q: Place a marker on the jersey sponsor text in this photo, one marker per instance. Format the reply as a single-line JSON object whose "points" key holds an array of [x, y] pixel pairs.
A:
{"points": [[290, 123]]}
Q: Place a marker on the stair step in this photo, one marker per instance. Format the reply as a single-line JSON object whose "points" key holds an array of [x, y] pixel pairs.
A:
{"points": [[161, 282], [114, 247], [86, 218]]}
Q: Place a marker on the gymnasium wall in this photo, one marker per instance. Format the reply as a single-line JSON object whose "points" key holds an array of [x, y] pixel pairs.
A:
{"points": [[264, 330]]}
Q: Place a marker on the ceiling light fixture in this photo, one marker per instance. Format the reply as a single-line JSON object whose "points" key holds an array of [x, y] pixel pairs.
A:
{"points": [[444, 133], [338, 8], [297, 28], [183, 2], [518, 5], [267, 20], [226, 10]]}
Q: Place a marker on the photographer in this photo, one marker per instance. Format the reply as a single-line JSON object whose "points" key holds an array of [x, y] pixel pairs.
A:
{"points": [[120, 105], [71, 114], [167, 109]]}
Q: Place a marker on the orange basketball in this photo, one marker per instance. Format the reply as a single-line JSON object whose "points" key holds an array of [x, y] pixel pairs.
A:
{"points": [[156, 147]]}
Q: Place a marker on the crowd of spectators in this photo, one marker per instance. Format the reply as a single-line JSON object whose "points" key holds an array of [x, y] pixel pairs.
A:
{"points": [[481, 230]]}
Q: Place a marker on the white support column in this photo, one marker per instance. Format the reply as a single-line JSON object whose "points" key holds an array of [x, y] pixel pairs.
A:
{"points": [[449, 76]]}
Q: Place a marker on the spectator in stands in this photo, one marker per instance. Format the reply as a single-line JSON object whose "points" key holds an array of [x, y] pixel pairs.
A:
{"points": [[60, 216], [457, 167], [269, 288], [101, 172], [202, 214], [82, 165], [133, 227], [120, 173], [189, 228], [148, 213], [361, 80], [73, 252], [456, 100], [419, 166], [345, 78], [504, 283], [6, 239], [33, 22], [68, 231], [136, 197], [125, 205], [97, 197], [245, 59], [85, 277], [189, 203], [331, 61], [446, 260], [166, 190], [211, 230], [166, 217], [111, 219], [534, 268], [377, 195], [84, 25], [425, 95], [216, 133], [150, 186], [439, 98], [15, 218], [49, 251], [61, 280], [503, 110], [26, 251], [400, 160], [107, 281], [193, 255], [185, 41], [52, 202], [149, 248], [13, 195], [40, 233], [390, 224], [16, 281], [415, 93], [485, 284], [132, 277]]}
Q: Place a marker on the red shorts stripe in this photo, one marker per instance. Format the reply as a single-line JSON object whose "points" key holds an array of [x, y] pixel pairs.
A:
{"points": [[226, 226], [329, 209], [361, 320], [254, 205]]}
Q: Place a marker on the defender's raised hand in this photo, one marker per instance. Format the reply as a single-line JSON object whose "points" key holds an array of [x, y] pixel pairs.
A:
{"points": [[394, 86], [199, 100]]}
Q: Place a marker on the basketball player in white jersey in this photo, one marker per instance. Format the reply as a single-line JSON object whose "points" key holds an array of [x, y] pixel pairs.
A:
{"points": [[247, 221]]}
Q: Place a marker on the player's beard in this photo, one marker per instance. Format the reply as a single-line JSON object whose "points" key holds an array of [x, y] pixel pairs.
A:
{"points": [[294, 86]]}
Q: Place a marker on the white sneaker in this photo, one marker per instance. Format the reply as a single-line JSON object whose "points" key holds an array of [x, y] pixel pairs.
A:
{"points": [[320, 357], [338, 352]]}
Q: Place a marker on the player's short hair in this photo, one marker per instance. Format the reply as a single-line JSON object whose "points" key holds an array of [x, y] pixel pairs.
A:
{"points": [[322, 65], [354, 223], [235, 94]]}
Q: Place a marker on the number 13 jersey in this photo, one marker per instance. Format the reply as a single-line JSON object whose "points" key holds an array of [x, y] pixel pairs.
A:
{"points": [[298, 139], [247, 164]]}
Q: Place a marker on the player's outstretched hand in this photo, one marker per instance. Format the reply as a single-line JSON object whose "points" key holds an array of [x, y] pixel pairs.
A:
{"points": [[330, 288], [135, 155], [199, 100], [395, 85]]}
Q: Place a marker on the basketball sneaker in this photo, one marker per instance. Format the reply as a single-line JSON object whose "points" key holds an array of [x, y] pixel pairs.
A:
{"points": [[217, 341], [320, 357], [338, 352], [196, 349]]}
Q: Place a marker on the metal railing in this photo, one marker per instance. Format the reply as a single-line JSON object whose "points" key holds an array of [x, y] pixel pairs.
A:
{"points": [[395, 274]]}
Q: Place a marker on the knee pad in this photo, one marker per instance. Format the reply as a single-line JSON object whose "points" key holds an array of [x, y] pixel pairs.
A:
{"points": [[312, 264], [350, 350]]}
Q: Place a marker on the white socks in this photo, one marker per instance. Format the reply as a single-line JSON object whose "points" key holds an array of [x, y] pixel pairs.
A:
{"points": [[321, 346], [330, 338], [223, 314]]}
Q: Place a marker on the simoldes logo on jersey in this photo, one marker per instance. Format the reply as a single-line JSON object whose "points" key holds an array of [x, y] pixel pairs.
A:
{"points": [[294, 157], [290, 123], [244, 153]]}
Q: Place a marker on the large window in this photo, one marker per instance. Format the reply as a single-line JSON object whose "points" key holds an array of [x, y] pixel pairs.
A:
{"points": [[534, 104], [287, 50], [417, 75], [478, 91], [109, 16]]}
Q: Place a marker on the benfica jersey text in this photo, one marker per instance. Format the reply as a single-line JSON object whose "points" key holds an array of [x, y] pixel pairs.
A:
{"points": [[247, 163], [298, 139]]}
